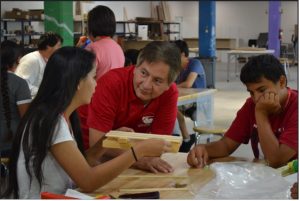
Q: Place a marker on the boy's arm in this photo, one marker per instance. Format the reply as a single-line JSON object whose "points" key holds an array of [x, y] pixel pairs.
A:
{"points": [[188, 83], [275, 153], [222, 148]]}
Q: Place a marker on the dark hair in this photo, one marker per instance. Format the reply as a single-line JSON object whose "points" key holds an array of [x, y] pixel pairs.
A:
{"points": [[165, 52], [182, 45], [267, 66], [131, 55], [49, 39], [63, 72], [101, 22], [10, 53]]}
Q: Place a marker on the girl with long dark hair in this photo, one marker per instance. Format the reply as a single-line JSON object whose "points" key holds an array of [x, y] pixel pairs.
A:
{"points": [[14, 95], [47, 152]]}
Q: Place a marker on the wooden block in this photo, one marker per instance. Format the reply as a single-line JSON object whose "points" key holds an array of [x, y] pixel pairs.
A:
{"points": [[124, 140], [129, 190], [208, 130]]}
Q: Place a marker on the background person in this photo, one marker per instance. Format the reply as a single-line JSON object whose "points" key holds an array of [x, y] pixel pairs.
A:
{"points": [[101, 25], [109, 55], [192, 75], [32, 65], [14, 96]]}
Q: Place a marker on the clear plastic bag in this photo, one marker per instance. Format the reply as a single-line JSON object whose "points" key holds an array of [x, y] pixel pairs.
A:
{"points": [[244, 180]]}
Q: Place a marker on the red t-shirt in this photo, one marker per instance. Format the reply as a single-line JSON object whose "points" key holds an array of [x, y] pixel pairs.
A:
{"points": [[284, 126], [114, 105]]}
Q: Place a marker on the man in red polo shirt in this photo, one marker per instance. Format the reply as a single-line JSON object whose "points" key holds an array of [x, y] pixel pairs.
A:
{"points": [[140, 99], [269, 118]]}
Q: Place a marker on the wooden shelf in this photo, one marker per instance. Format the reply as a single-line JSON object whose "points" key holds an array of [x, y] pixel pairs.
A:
{"points": [[225, 43], [21, 32], [221, 43]]}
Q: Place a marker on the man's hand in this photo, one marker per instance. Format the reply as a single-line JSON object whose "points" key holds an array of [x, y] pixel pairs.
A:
{"points": [[125, 129], [153, 164], [268, 104], [198, 156]]}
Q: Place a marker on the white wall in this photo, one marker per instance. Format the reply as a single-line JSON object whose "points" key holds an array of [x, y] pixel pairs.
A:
{"points": [[187, 13], [241, 20], [289, 18], [246, 19], [24, 5], [234, 19], [134, 8]]}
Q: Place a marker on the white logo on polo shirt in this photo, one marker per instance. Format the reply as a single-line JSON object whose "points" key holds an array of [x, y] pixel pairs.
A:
{"points": [[147, 119]]}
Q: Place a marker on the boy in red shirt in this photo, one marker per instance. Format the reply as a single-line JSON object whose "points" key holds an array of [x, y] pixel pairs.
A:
{"points": [[139, 99], [269, 118]]}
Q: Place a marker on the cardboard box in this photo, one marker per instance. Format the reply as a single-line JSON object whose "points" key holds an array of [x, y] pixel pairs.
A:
{"points": [[36, 14], [16, 14]]}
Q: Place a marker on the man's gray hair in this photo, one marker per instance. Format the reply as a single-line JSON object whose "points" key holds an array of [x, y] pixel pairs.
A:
{"points": [[162, 51]]}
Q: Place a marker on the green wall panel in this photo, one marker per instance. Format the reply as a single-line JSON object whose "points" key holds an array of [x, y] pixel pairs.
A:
{"points": [[59, 19]]}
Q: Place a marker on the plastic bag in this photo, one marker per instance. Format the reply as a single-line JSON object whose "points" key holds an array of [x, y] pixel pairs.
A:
{"points": [[244, 180]]}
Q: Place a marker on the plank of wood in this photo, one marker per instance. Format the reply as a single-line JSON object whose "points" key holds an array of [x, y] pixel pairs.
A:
{"points": [[129, 190], [197, 178], [142, 136], [153, 176], [125, 140], [166, 11], [162, 10]]}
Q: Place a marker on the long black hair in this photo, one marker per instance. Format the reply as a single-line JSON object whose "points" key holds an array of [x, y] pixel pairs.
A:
{"points": [[10, 53], [63, 72]]}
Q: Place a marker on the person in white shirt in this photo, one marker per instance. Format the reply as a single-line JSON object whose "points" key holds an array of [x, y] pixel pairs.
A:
{"points": [[48, 155], [32, 65]]}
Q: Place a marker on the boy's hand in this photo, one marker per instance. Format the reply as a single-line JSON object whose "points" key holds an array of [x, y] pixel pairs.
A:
{"points": [[198, 157], [268, 103]]}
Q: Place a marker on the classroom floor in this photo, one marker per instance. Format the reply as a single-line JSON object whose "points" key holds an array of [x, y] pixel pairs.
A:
{"points": [[230, 97]]}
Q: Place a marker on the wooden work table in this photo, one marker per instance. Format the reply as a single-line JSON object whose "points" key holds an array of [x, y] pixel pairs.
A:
{"points": [[193, 93], [170, 186]]}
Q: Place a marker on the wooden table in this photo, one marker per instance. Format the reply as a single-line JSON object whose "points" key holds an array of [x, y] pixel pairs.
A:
{"points": [[204, 100], [133, 179], [234, 54]]}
